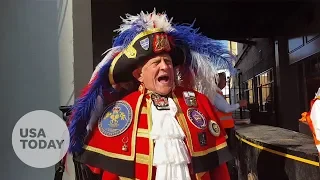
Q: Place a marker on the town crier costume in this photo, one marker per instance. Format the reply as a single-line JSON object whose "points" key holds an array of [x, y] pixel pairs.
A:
{"points": [[159, 131]]}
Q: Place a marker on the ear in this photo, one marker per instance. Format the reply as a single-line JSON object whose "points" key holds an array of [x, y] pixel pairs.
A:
{"points": [[137, 74]]}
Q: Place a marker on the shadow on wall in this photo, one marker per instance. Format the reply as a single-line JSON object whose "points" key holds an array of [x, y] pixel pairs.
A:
{"points": [[256, 164], [271, 167]]}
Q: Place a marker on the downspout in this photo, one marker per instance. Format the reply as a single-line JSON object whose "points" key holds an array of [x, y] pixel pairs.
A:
{"points": [[240, 89]]}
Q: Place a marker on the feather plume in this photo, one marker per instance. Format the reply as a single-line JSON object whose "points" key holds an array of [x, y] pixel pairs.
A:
{"points": [[206, 74], [211, 50], [133, 25], [112, 52], [83, 107]]}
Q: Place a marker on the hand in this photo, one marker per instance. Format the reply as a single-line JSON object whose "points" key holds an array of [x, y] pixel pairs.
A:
{"points": [[243, 103]]}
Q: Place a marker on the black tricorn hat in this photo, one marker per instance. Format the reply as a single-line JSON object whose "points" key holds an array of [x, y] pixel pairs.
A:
{"points": [[140, 38], [144, 46]]}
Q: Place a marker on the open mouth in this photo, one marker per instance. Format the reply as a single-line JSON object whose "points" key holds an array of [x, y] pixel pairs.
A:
{"points": [[163, 78]]}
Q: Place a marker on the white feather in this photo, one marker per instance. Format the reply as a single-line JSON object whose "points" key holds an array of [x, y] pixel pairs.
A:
{"points": [[147, 21], [206, 75], [110, 54]]}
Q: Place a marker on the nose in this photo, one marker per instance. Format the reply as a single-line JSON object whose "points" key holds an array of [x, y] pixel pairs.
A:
{"points": [[163, 64]]}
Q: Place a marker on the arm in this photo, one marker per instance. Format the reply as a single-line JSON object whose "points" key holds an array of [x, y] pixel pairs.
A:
{"points": [[223, 105]]}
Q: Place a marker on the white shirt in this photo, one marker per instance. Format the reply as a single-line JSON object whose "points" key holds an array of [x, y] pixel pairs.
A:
{"points": [[315, 117], [171, 155], [220, 102]]}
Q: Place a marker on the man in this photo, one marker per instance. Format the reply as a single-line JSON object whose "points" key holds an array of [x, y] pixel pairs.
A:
{"points": [[315, 118], [312, 118], [160, 131], [224, 109]]}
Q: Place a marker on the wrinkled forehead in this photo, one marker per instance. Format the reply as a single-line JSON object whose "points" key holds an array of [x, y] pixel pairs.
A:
{"points": [[165, 56], [155, 58]]}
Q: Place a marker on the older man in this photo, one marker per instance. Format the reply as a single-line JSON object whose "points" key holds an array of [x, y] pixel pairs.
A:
{"points": [[161, 131], [224, 109]]}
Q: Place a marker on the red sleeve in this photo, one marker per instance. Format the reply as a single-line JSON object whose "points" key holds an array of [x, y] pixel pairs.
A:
{"points": [[105, 174], [109, 176], [94, 169], [220, 173]]}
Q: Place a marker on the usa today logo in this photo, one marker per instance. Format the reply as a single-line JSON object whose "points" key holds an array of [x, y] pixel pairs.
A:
{"points": [[40, 139]]}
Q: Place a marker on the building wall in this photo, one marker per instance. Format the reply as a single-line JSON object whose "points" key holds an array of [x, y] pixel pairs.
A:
{"points": [[66, 52], [29, 75], [44, 56], [296, 61], [259, 58], [239, 47], [289, 57], [105, 19], [233, 47], [252, 61], [82, 44]]}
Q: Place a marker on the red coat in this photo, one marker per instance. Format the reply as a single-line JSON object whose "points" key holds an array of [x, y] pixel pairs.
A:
{"points": [[129, 122]]}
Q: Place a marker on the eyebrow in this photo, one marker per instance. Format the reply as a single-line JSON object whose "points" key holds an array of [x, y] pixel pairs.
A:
{"points": [[165, 59], [158, 59]]}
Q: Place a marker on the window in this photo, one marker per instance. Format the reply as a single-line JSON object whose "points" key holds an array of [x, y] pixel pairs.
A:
{"points": [[248, 91], [265, 91]]}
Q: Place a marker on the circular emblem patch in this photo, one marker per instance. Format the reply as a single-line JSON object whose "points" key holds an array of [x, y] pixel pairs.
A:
{"points": [[196, 118], [214, 128], [116, 118]]}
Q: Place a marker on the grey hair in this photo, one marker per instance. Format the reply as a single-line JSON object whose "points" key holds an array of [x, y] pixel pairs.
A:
{"points": [[204, 73]]}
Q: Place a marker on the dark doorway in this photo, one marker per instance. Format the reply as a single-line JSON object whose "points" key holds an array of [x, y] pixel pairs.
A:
{"points": [[313, 84]]}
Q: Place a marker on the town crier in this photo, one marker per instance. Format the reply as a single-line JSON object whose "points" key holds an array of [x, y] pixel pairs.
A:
{"points": [[159, 130]]}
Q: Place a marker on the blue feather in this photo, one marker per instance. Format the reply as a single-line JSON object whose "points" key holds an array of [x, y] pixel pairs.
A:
{"points": [[187, 36], [83, 107], [125, 38]]}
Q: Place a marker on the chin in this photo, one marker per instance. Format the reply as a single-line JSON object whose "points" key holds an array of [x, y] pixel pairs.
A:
{"points": [[164, 90]]}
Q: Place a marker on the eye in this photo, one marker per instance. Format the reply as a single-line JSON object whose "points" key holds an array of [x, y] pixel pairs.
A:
{"points": [[156, 62], [168, 61]]}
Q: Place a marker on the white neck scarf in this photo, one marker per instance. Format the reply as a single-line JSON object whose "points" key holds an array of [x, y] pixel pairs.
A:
{"points": [[171, 156]]}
